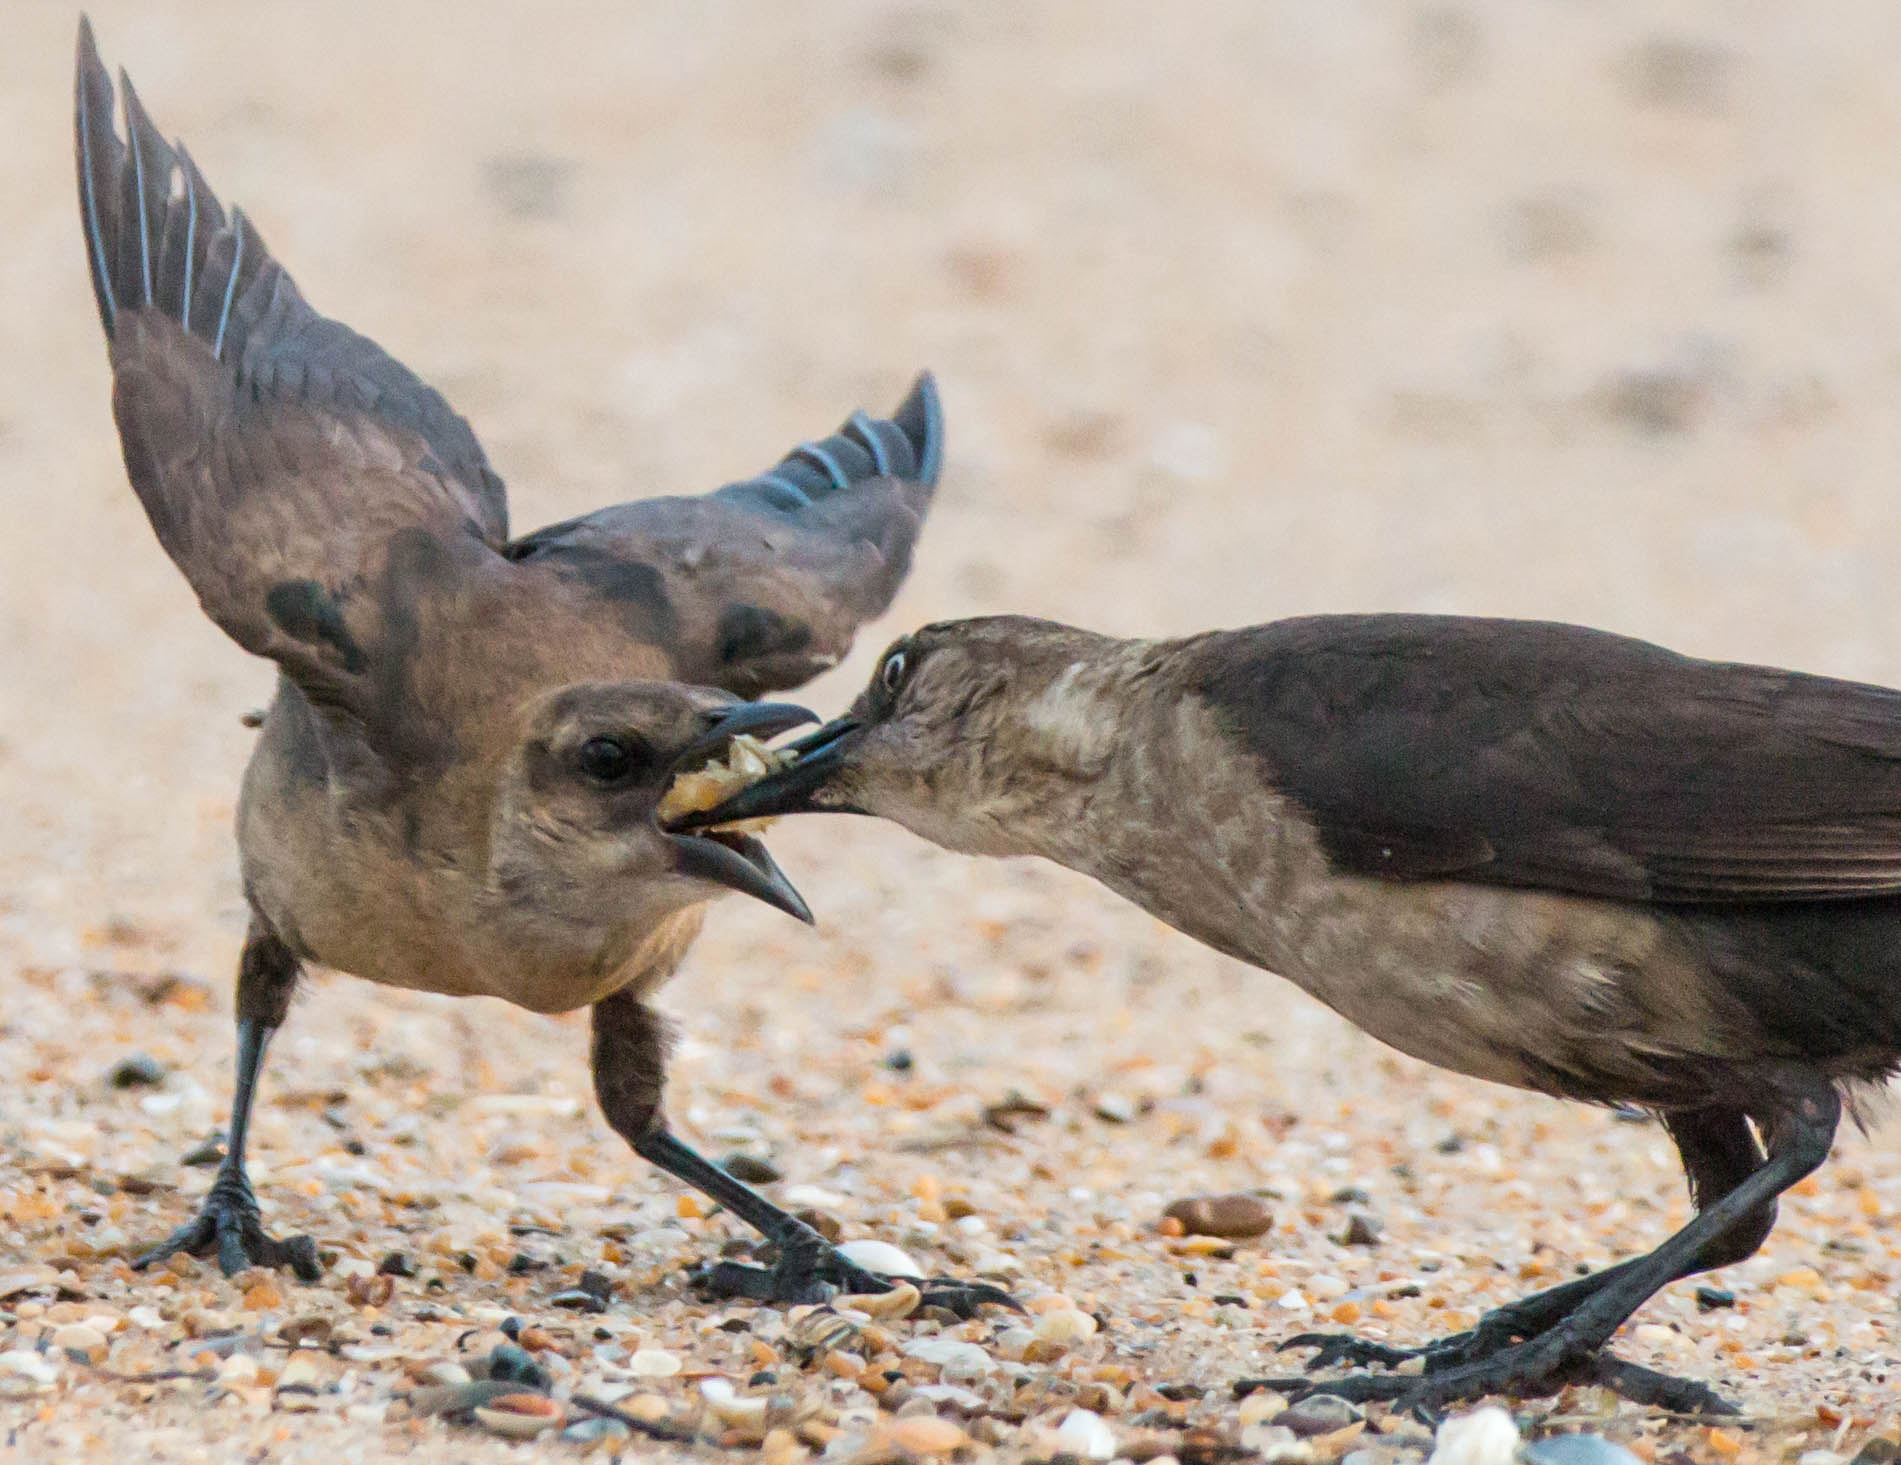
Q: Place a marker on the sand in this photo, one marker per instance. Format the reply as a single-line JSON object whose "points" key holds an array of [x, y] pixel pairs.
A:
{"points": [[1585, 312]]}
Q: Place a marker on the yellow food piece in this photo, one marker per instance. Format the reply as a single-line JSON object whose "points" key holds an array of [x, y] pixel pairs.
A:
{"points": [[747, 761]]}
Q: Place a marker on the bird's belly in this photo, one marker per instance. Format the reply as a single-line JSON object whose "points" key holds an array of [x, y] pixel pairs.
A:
{"points": [[1502, 985], [1538, 990]]}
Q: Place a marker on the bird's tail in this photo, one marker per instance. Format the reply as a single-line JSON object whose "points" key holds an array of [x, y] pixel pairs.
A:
{"points": [[156, 236]]}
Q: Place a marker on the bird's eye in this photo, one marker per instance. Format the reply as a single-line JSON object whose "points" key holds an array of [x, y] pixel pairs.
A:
{"points": [[609, 760], [891, 674]]}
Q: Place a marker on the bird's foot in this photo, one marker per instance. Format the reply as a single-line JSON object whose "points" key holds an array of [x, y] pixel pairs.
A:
{"points": [[230, 1228], [1538, 1366], [1357, 1352], [810, 1269], [1498, 1329]]}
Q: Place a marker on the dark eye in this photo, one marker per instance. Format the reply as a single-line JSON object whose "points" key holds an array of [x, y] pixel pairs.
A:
{"points": [[610, 760], [891, 674]]}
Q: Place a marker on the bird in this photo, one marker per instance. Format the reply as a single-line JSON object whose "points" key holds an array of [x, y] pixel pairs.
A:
{"points": [[454, 788], [1538, 854]]}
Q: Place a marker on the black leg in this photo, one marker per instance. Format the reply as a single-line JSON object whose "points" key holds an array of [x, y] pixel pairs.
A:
{"points": [[1719, 1154], [229, 1225], [629, 1074], [1735, 1187]]}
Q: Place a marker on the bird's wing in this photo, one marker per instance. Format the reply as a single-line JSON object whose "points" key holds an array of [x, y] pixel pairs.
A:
{"points": [[1543, 755], [292, 470], [761, 585]]}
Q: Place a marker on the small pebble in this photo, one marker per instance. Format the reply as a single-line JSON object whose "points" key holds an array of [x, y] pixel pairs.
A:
{"points": [[1318, 1414], [306, 1332], [730, 1407], [80, 1343], [1708, 1299], [596, 1427], [302, 1372], [959, 1361], [509, 1364], [926, 1434], [396, 1264], [136, 1071], [880, 1257], [653, 1363], [520, 1416], [458, 1398], [1114, 1108], [1363, 1229], [206, 1152], [1276, 1444], [1261, 1407], [900, 1302], [1577, 1449], [750, 1169], [1484, 1437], [1231, 1217], [239, 1371], [1086, 1435], [1064, 1325]]}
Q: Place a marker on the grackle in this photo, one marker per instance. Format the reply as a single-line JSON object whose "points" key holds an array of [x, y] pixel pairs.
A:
{"points": [[1550, 857], [455, 787]]}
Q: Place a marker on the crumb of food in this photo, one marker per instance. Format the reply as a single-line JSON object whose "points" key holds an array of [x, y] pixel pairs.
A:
{"points": [[747, 761]]}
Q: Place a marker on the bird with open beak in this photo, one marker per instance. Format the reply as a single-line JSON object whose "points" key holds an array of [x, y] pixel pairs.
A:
{"points": [[1537, 854], [456, 787]]}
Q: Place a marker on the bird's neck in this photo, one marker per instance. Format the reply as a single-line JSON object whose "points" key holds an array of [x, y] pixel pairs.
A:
{"points": [[1185, 824]]}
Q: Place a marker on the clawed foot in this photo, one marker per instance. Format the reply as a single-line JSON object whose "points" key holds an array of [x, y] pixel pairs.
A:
{"points": [[1456, 1373], [1452, 1351], [229, 1228], [810, 1269]]}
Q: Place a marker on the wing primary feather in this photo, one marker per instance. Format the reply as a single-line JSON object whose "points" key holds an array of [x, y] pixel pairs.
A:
{"points": [[134, 141], [868, 434], [238, 222], [90, 77], [191, 239], [818, 457]]}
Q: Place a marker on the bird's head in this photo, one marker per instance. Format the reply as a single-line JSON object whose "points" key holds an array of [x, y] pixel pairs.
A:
{"points": [[974, 734], [579, 798]]}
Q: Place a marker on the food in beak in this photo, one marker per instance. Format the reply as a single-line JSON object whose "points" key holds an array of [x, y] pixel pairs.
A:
{"points": [[747, 761]]}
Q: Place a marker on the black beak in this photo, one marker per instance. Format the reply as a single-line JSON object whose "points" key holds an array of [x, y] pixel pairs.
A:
{"points": [[739, 861], [760, 719], [789, 791]]}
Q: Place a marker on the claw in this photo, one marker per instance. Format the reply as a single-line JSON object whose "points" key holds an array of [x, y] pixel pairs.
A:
{"points": [[229, 1228], [1346, 1348], [812, 1274]]}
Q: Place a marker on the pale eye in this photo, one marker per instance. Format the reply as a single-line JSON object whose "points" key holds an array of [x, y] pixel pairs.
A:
{"points": [[891, 674]]}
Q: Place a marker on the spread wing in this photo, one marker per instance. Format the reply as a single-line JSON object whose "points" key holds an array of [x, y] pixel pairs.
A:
{"points": [[292, 470], [1524, 753], [763, 584]]}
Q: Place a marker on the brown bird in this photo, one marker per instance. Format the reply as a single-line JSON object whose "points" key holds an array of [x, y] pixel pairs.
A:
{"points": [[455, 787], [1537, 854]]}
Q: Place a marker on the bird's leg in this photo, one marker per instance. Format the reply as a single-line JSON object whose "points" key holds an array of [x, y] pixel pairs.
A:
{"points": [[629, 1072], [1735, 1213], [1719, 1153], [1524, 1318], [228, 1225]]}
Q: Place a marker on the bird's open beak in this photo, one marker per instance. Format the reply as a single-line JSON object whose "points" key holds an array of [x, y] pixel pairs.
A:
{"points": [[820, 754], [725, 857]]}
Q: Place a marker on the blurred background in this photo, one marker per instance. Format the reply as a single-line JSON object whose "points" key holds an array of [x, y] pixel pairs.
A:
{"points": [[1577, 309]]}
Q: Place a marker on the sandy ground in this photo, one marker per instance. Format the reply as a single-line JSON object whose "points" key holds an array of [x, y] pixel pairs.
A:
{"points": [[1583, 311]]}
